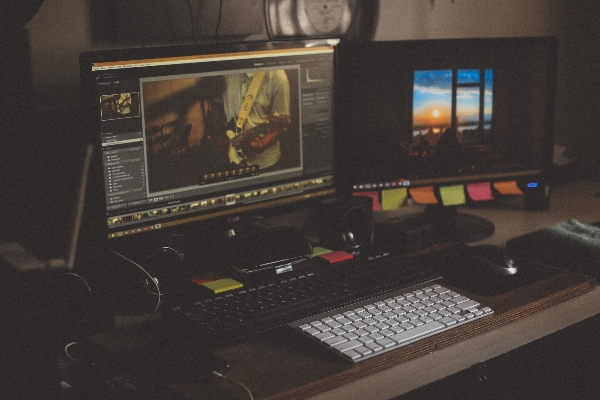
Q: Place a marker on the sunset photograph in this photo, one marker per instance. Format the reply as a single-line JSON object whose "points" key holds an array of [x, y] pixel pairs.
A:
{"points": [[432, 103]]}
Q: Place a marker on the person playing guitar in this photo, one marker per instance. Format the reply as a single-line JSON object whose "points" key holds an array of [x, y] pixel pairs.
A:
{"points": [[259, 105]]}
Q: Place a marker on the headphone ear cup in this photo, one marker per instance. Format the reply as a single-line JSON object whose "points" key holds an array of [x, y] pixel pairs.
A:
{"points": [[346, 224], [165, 268], [356, 227]]}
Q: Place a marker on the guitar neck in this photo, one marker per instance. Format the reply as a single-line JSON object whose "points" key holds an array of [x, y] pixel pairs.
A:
{"points": [[259, 130]]}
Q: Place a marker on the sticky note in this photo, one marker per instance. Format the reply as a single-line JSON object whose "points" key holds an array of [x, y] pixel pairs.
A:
{"points": [[204, 278], [392, 199], [423, 195], [223, 285], [480, 191], [317, 251], [453, 195], [507, 187], [373, 195], [336, 256]]}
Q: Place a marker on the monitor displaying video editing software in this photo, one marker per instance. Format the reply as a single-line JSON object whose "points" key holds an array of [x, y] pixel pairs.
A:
{"points": [[446, 122], [203, 132]]}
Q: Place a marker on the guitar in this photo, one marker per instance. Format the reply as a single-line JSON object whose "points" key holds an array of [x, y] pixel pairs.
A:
{"points": [[275, 122]]}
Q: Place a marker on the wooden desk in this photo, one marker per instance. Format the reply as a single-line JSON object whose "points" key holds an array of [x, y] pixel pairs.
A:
{"points": [[439, 364], [283, 366], [577, 200]]}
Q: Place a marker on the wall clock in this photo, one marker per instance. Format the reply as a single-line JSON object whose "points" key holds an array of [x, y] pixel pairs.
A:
{"points": [[320, 18]]}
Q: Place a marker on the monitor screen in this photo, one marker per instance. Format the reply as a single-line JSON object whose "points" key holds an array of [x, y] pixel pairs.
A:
{"points": [[448, 122], [199, 132]]}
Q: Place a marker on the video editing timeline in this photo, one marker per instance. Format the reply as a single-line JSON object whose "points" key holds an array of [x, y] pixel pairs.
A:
{"points": [[159, 166]]}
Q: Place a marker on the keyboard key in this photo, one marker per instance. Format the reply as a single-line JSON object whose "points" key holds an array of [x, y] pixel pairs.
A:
{"points": [[448, 321], [373, 346], [352, 354], [365, 340], [441, 290], [362, 350], [359, 324], [348, 345], [386, 332], [460, 299], [371, 328], [385, 342], [312, 331], [468, 304], [407, 326], [337, 331], [335, 340], [417, 332], [324, 335]]}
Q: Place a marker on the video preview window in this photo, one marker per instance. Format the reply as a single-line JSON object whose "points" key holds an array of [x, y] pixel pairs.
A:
{"points": [[204, 129]]}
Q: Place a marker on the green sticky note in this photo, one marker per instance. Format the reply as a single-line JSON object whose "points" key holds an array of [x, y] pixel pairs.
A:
{"points": [[453, 195], [317, 251], [223, 285], [392, 199]]}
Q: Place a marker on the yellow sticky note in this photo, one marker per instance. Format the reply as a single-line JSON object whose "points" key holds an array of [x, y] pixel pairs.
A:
{"points": [[223, 285], [453, 195], [392, 199], [507, 187], [423, 195]]}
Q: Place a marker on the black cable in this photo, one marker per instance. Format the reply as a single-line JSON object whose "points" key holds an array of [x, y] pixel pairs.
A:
{"points": [[192, 20], [218, 21], [219, 375], [174, 34], [267, 20]]}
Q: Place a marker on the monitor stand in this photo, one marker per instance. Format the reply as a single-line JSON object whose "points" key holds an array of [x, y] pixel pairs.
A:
{"points": [[436, 225]]}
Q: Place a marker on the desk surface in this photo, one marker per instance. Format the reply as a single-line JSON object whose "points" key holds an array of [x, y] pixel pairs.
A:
{"points": [[570, 299], [577, 200], [423, 370]]}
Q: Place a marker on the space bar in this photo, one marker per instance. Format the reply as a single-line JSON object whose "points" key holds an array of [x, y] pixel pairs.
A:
{"points": [[418, 332]]}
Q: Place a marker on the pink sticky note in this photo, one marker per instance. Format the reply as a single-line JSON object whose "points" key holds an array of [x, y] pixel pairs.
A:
{"points": [[372, 195], [480, 191]]}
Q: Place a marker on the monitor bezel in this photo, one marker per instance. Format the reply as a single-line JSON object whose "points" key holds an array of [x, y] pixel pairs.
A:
{"points": [[346, 182], [95, 224]]}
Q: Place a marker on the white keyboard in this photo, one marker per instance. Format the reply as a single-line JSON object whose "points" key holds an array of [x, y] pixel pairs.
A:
{"points": [[376, 326]]}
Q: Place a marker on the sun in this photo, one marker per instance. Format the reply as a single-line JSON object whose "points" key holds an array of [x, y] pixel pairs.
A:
{"points": [[435, 113]]}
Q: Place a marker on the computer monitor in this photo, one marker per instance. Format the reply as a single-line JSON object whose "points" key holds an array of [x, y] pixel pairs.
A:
{"points": [[446, 123], [206, 133]]}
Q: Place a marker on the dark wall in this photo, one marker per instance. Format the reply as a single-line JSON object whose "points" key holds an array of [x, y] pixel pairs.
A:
{"points": [[578, 102], [37, 164]]}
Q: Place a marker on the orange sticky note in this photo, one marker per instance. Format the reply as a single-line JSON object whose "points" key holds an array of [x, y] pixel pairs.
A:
{"points": [[374, 196], [507, 187], [480, 191], [423, 195]]}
